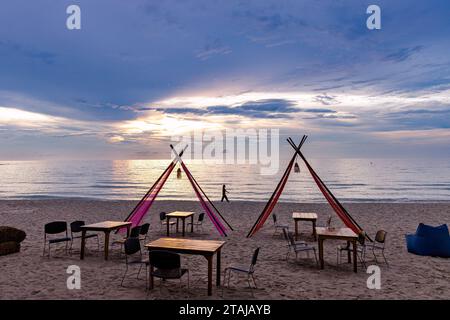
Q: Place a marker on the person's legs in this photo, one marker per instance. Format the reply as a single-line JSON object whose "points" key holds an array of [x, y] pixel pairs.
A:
{"points": [[226, 198]]}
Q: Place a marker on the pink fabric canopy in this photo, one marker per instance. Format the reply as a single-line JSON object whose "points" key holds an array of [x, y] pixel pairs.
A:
{"points": [[331, 199], [143, 207]]}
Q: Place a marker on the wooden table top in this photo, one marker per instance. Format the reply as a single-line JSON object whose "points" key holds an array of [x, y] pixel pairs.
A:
{"points": [[304, 216], [186, 245], [106, 225], [180, 214], [337, 233]]}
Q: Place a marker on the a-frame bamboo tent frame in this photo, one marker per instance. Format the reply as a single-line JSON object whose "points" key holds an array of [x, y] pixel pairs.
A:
{"points": [[143, 206], [331, 199]]}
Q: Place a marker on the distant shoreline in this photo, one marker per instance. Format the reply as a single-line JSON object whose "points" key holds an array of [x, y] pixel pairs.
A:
{"points": [[161, 199]]}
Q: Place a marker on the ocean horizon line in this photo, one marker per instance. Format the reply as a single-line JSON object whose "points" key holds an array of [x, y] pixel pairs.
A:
{"points": [[162, 198]]}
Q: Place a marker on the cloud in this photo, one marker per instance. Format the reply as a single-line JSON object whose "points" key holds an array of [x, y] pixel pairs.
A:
{"points": [[212, 49], [325, 99], [262, 109], [300, 64], [179, 110], [268, 109], [419, 119], [403, 54], [12, 48]]}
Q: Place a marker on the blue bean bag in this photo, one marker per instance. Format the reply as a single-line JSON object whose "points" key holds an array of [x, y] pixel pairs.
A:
{"points": [[429, 241]]}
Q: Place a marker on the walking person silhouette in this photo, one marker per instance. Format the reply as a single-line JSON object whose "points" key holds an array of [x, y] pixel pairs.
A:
{"points": [[224, 194]]}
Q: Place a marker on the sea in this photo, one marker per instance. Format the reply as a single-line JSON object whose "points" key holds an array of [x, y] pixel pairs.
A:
{"points": [[351, 180]]}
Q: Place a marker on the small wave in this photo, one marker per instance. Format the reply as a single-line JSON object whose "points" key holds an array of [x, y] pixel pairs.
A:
{"points": [[428, 184], [103, 186], [347, 184]]}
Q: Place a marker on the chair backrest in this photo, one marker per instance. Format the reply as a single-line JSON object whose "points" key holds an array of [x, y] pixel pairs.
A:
{"points": [[164, 260], [201, 216], [144, 229], [135, 231], [75, 226], [381, 236], [55, 227], [162, 216], [132, 246], [274, 217]]}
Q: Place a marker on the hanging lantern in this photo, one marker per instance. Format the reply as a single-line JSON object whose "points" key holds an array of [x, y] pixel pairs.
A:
{"points": [[296, 168]]}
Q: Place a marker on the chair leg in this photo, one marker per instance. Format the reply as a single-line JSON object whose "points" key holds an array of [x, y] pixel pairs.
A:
{"points": [[250, 286], [315, 257], [361, 259], [123, 277], [248, 281], [254, 282], [146, 278], [224, 280], [70, 247], [374, 255], [139, 272], [188, 278], [385, 260]]}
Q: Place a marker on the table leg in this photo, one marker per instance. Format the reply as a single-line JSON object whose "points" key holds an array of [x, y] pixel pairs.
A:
{"points": [[218, 271], [192, 223], [296, 229], [150, 277], [349, 257], [314, 230], [210, 267], [128, 230], [178, 220], [355, 261], [322, 265], [83, 243], [184, 225], [167, 224], [106, 244]]}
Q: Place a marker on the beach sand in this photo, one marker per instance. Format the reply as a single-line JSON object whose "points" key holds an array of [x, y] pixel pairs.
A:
{"points": [[28, 275]]}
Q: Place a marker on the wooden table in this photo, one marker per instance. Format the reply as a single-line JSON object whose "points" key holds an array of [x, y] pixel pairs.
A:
{"points": [[206, 248], [305, 216], [338, 234], [106, 227], [180, 215]]}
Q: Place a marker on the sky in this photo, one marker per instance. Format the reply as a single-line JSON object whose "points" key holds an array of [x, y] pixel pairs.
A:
{"points": [[138, 73]]}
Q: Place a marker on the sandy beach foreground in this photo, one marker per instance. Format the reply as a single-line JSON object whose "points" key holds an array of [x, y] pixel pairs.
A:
{"points": [[28, 275]]}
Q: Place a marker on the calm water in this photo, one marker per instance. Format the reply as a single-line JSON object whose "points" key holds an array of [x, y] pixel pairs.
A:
{"points": [[358, 180]]}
